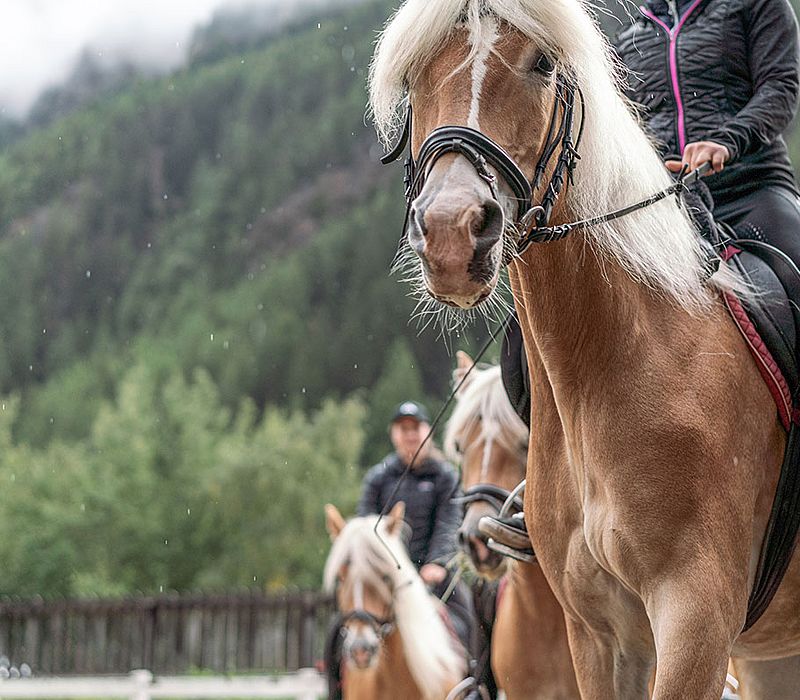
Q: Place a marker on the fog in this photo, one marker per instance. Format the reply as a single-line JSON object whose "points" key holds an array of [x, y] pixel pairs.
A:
{"points": [[41, 40]]}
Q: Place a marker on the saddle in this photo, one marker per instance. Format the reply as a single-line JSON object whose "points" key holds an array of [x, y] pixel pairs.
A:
{"points": [[769, 321]]}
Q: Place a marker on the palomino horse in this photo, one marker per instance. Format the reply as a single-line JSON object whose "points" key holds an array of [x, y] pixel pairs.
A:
{"points": [[530, 654], [396, 644], [654, 464]]}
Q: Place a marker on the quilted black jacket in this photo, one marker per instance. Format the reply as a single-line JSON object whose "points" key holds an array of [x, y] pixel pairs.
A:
{"points": [[724, 71], [427, 491]]}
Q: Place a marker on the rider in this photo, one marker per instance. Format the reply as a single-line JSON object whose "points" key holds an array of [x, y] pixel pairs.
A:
{"points": [[427, 489], [717, 82]]}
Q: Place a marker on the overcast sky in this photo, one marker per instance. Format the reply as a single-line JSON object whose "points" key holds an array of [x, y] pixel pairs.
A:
{"points": [[41, 39]]}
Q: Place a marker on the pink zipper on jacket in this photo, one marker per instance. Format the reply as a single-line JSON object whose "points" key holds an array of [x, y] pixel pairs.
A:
{"points": [[673, 63]]}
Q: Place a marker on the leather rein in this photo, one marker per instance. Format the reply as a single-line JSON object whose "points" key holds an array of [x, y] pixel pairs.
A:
{"points": [[532, 220]]}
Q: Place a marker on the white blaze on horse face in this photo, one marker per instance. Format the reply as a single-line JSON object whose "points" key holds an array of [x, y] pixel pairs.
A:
{"points": [[487, 459], [488, 39], [358, 595]]}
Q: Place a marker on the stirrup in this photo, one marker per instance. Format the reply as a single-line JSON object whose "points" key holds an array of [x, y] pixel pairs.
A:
{"points": [[465, 686], [505, 550]]}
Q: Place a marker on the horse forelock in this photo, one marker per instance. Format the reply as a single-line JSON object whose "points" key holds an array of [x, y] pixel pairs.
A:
{"points": [[484, 399], [657, 246]]}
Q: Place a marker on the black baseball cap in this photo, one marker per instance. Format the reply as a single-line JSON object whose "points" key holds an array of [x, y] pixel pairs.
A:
{"points": [[411, 409]]}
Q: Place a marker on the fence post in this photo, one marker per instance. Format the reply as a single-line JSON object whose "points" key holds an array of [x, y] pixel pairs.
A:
{"points": [[141, 681]]}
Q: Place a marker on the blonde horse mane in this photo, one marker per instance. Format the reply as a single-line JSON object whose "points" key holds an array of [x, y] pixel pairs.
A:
{"points": [[657, 246], [427, 644], [483, 399]]}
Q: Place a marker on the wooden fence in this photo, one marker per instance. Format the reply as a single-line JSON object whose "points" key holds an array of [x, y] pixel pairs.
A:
{"points": [[168, 634]]}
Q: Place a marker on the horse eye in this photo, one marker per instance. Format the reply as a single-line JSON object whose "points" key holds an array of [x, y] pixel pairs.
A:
{"points": [[457, 445], [544, 65]]}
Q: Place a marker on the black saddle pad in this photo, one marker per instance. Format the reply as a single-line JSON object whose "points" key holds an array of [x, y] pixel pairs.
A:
{"points": [[514, 369]]}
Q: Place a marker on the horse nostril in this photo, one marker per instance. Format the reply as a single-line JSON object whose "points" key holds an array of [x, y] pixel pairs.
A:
{"points": [[487, 226], [417, 231]]}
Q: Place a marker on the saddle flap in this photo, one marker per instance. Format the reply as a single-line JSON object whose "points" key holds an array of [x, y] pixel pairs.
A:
{"points": [[771, 310]]}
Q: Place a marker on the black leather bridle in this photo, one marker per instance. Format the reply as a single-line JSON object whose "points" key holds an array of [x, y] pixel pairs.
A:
{"points": [[482, 152], [382, 626], [532, 220], [495, 496]]}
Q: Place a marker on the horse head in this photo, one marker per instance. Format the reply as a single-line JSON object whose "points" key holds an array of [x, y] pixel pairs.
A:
{"points": [[490, 441], [364, 594]]}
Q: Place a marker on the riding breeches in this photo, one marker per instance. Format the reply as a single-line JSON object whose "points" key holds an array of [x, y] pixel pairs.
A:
{"points": [[770, 214]]}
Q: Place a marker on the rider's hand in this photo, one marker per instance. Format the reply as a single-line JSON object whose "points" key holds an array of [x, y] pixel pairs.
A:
{"points": [[699, 152], [433, 573]]}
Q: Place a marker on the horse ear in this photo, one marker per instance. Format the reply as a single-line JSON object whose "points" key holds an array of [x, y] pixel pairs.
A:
{"points": [[334, 522], [464, 363], [395, 519]]}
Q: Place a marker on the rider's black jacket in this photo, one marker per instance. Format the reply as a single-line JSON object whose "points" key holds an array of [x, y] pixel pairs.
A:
{"points": [[724, 71], [427, 492]]}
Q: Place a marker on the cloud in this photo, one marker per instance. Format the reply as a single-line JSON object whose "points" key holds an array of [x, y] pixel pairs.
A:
{"points": [[40, 40]]}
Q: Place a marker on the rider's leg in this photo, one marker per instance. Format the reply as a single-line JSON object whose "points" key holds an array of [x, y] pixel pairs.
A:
{"points": [[771, 215], [484, 596]]}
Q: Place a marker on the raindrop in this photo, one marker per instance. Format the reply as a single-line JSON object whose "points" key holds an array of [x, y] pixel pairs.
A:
{"points": [[83, 507], [166, 196], [319, 25], [88, 273], [303, 390], [161, 589], [166, 541], [212, 337], [25, 670], [188, 511], [355, 366]]}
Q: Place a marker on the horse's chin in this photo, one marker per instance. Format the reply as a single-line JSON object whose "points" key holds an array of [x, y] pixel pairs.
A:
{"points": [[470, 296]]}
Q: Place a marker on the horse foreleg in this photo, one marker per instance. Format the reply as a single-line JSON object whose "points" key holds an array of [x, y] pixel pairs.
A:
{"points": [[765, 680], [622, 674], [694, 625]]}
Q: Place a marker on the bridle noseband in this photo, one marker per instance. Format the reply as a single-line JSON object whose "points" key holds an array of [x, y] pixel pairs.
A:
{"points": [[482, 152], [495, 496], [382, 626]]}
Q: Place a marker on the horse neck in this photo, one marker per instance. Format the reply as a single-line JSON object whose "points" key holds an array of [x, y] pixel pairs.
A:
{"points": [[587, 318]]}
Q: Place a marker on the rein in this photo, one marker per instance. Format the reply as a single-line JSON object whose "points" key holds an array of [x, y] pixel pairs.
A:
{"points": [[532, 220]]}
